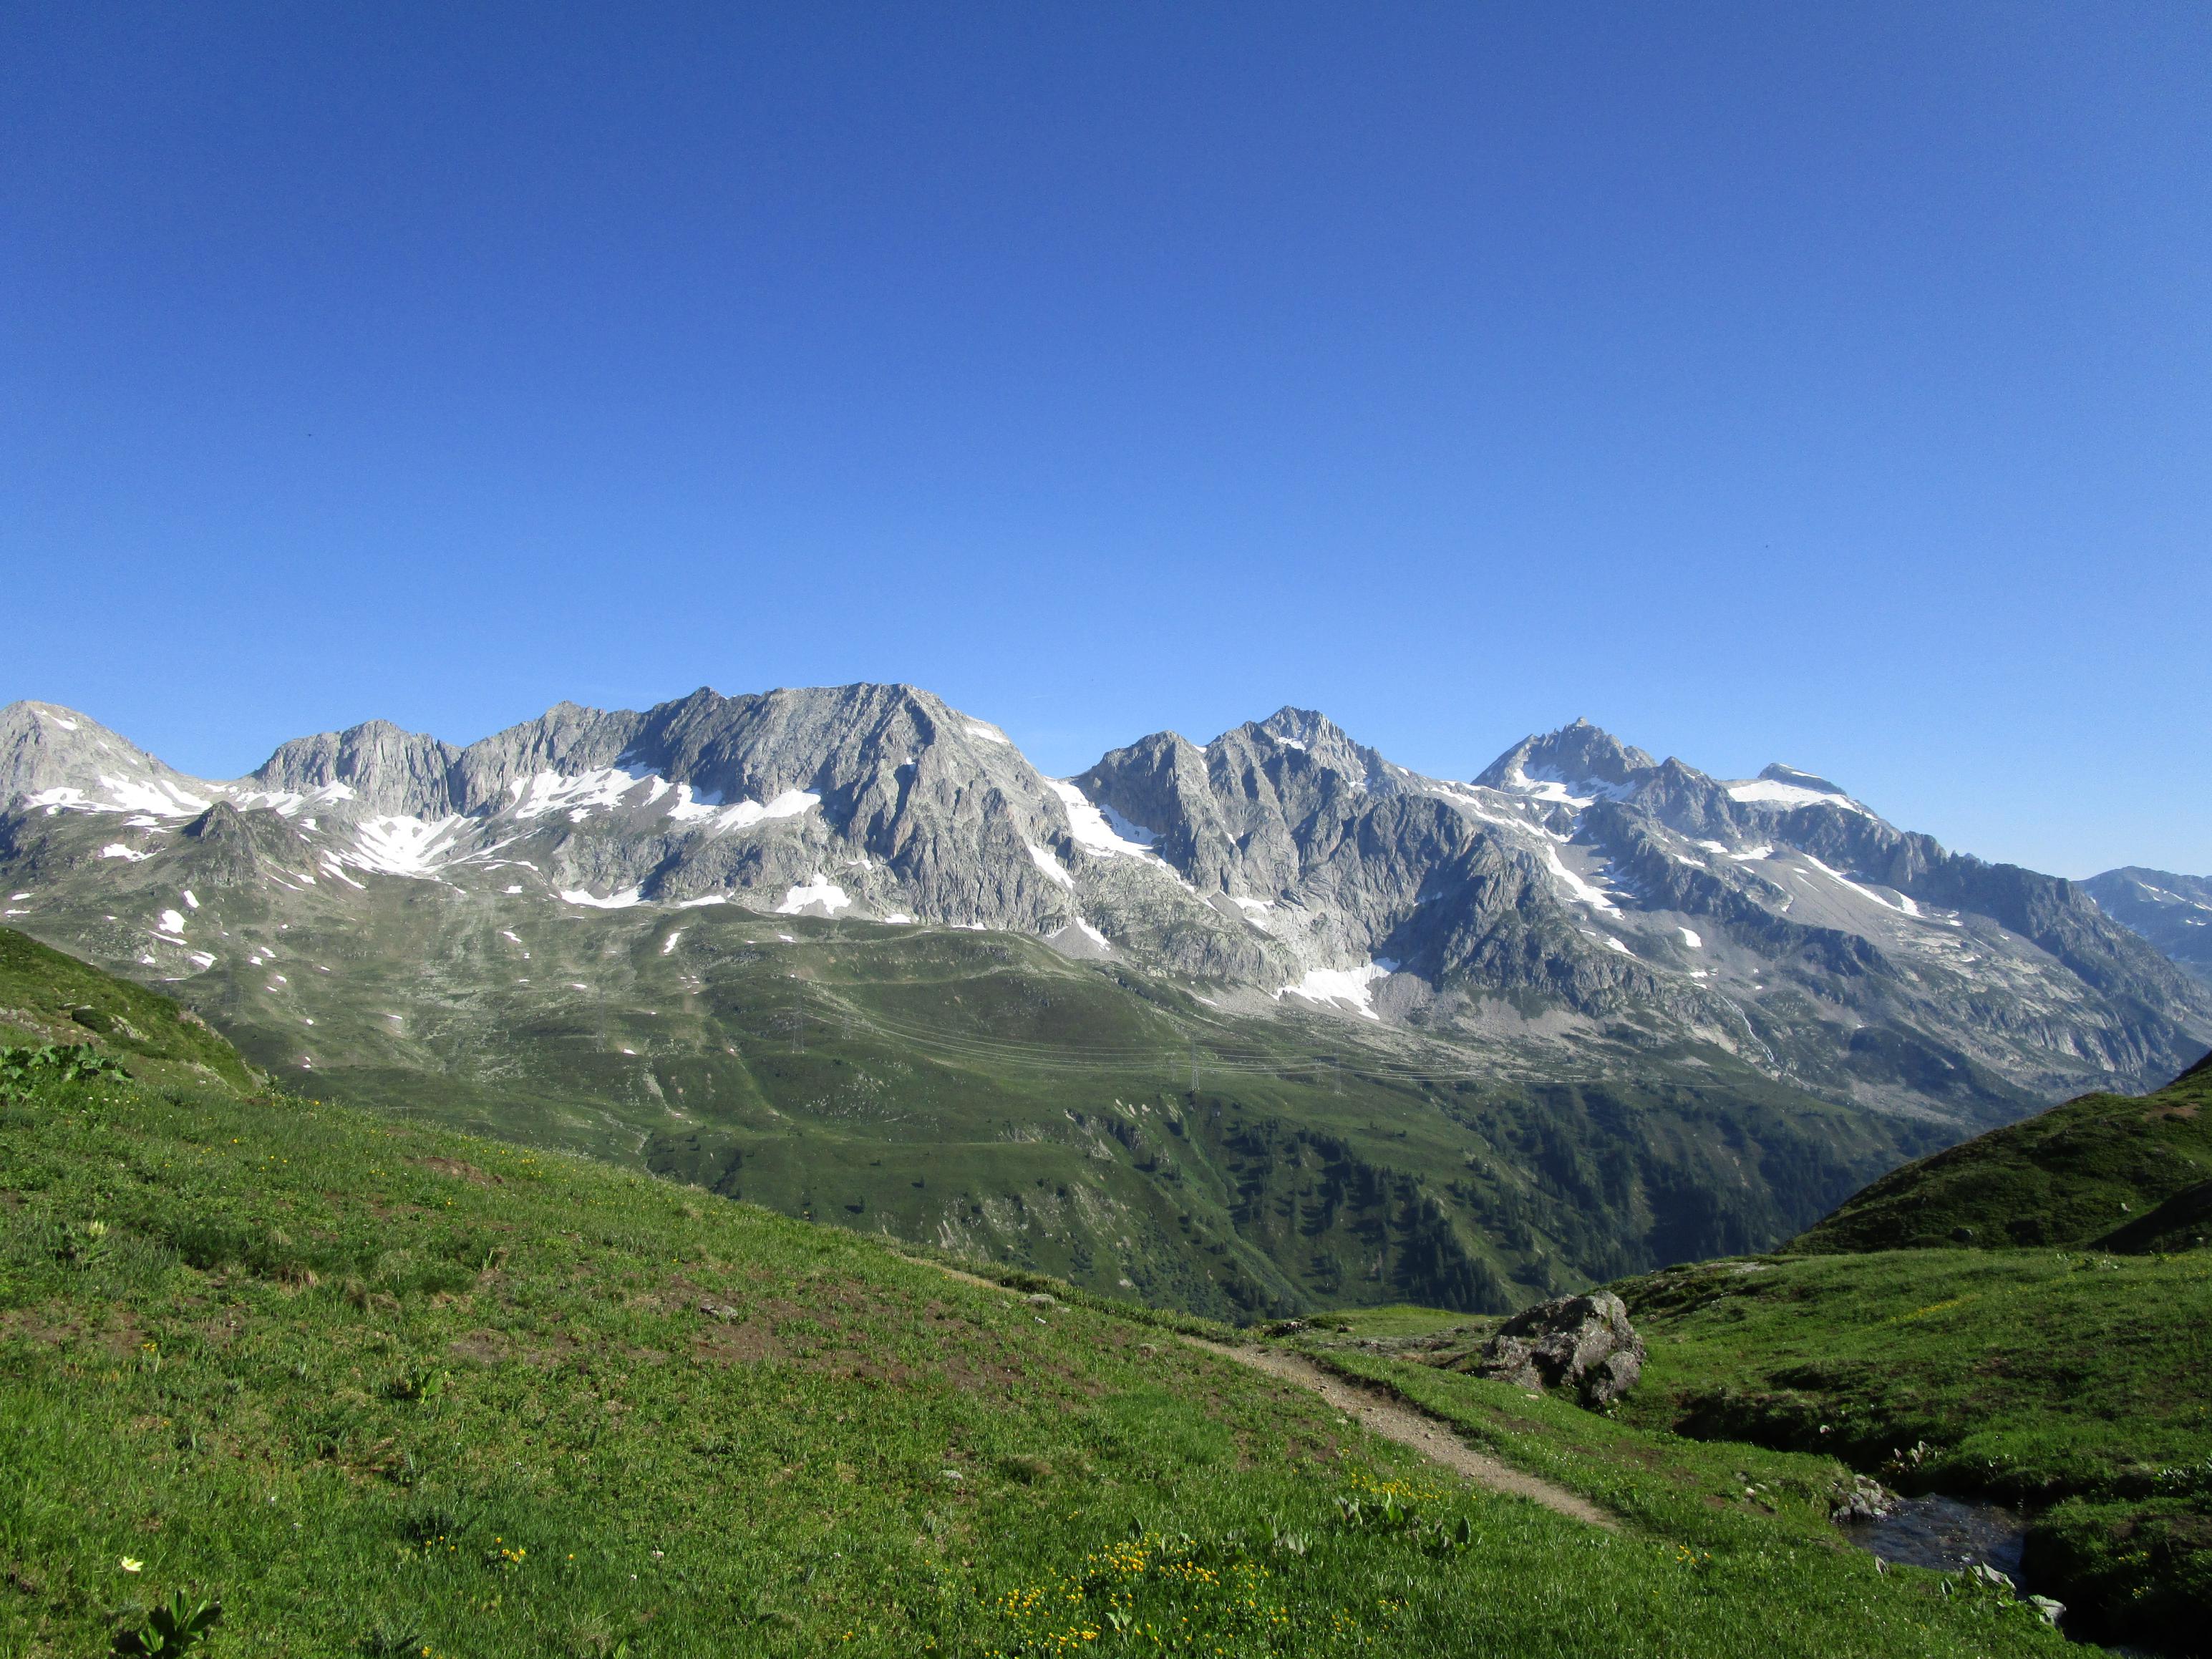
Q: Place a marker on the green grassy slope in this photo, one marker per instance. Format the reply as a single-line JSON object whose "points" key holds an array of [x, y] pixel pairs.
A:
{"points": [[2068, 1176], [384, 1389], [2071, 1382], [2184, 1222], [982, 1093], [46, 997]]}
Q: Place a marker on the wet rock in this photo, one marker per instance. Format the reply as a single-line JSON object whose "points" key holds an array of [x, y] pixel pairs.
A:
{"points": [[1865, 1501], [1581, 1343]]}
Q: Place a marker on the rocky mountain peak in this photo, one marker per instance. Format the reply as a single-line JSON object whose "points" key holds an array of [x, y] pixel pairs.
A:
{"points": [[52, 755], [1302, 728], [1777, 773], [388, 770], [1576, 754], [1327, 747]]}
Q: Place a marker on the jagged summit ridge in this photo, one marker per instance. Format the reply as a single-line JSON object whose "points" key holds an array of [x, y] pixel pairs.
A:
{"points": [[1576, 884]]}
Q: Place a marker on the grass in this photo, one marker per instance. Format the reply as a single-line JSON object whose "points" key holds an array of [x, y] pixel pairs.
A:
{"points": [[2068, 1381], [46, 997], [383, 1388], [981, 1092], [2075, 1174], [1400, 1320]]}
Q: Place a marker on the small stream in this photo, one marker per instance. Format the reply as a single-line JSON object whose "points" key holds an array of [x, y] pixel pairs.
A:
{"points": [[1952, 1534], [1947, 1533]]}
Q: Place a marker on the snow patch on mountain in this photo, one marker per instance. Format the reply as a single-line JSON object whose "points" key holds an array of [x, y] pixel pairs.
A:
{"points": [[402, 847], [1906, 906], [1096, 833], [707, 808], [1782, 797], [290, 803], [1544, 784], [1351, 986], [577, 793], [819, 890], [124, 795], [1051, 867], [1596, 897], [621, 901]]}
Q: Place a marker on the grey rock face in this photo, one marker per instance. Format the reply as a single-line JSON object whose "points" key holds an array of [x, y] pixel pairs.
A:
{"points": [[1337, 857], [913, 808], [55, 756], [1583, 1344], [2173, 912], [1577, 754], [1579, 889], [389, 771]]}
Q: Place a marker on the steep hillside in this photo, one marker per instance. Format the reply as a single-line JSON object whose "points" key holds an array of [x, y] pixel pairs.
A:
{"points": [[46, 997], [2087, 1172], [378, 1388]]}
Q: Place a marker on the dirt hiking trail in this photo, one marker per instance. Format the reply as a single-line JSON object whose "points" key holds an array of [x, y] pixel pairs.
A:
{"points": [[1381, 1413]]}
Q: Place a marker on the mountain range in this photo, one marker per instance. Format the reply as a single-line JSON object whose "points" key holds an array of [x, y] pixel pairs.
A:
{"points": [[1684, 1002]]}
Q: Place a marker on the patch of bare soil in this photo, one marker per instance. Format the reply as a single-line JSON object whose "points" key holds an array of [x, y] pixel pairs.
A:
{"points": [[459, 1170]]}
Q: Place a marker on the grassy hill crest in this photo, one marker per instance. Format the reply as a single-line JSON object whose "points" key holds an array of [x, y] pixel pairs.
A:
{"points": [[2087, 1172]]}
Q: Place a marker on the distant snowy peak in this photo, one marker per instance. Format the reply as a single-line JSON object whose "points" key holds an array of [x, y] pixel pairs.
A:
{"points": [[1576, 764], [1786, 787], [1317, 742], [1299, 728], [1777, 773], [2172, 910], [57, 759]]}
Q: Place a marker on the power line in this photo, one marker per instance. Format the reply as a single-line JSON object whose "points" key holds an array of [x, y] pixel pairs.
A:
{"points": [[1316, 1069]]}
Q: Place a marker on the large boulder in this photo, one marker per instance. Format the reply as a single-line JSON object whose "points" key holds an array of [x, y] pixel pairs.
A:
{"points": [[1583, 1343]]}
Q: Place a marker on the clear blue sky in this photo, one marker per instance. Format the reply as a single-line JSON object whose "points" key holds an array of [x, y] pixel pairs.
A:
{"points": [[1822, 383]]}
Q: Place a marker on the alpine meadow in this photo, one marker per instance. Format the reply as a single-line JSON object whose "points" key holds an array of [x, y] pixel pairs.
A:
{"points": [[1021, 832]]}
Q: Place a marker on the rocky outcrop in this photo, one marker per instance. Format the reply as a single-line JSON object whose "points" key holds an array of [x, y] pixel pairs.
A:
{"points": [[1865, 1501], [1583, 1344], [387, 770]]}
